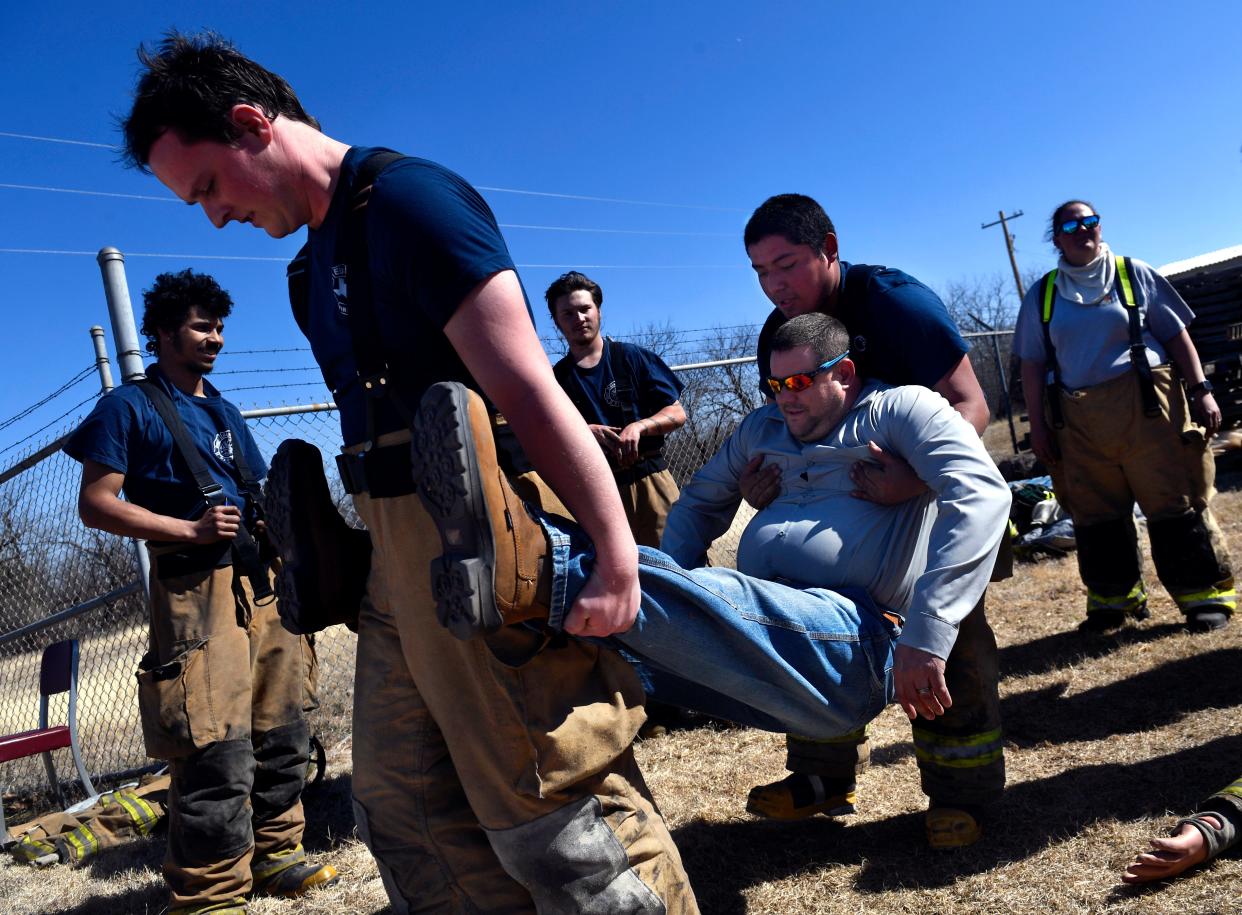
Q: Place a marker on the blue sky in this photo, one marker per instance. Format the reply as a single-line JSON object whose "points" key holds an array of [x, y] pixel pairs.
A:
{"points": [[912, 122]]}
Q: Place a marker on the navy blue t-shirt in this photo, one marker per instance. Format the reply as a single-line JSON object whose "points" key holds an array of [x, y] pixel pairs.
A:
{"points": [[900, 331], [125, 433], [431, 239], [655, 386]]}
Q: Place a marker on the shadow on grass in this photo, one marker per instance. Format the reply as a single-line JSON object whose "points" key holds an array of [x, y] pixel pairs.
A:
{"points": [[1139, 702], [1056, 808], [1063, 649], [725, 859]]}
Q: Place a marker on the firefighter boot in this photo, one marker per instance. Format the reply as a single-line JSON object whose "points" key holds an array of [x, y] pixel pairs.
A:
{"points": [[799, 796], [288, 874], [492, 571], [322, 574]]}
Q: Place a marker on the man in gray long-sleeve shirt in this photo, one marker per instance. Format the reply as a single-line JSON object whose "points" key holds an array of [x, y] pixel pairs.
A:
{"points": [[929, 559]]}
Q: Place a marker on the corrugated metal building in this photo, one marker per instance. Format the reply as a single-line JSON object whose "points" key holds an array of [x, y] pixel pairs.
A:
{"points": [[1212, 285]]}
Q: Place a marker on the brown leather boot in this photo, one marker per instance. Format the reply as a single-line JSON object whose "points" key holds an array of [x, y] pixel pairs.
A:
{"points": [[492, 571]]}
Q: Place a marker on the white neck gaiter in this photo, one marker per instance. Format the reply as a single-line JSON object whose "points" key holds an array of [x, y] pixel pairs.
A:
{"points": [[1089, 284]]}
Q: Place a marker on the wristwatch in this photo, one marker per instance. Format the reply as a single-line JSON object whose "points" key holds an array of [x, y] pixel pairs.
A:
{"points": [[1203, 387]]}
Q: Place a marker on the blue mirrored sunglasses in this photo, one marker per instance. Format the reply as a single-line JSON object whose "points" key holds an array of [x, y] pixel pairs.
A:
{"points": [[1070, 226]]}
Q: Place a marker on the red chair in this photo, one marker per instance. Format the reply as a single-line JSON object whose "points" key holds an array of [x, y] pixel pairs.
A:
{"points": [[58, 673]]}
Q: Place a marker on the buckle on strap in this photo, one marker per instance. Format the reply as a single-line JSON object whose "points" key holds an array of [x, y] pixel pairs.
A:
{"points": [[353, 473], [382, 473]]}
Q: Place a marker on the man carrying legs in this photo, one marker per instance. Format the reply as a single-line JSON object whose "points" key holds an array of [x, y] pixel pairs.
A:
{"points": [[492, 774]]}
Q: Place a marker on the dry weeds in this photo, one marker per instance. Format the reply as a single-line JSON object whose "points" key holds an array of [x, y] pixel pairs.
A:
{"points": [[1107, 739]]}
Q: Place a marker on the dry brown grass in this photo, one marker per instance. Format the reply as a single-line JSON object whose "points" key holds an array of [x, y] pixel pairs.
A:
{"points": [[1106, 740]]}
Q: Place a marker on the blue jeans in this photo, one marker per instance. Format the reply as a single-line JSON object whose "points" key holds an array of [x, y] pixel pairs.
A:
{"points": [[813, 662]]}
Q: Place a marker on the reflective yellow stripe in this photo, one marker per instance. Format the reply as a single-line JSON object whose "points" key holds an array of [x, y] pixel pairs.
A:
{"points": [[1235, 789], [140, 812], [83, 841], [967, 752], [1225, 597], [922, 735], [1049, 284], [1128, 601], [1126, 289]]}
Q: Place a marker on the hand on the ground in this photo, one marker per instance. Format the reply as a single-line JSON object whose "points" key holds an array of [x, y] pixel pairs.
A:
{"points": [[1206, 413], [604, 608], [1168, 857], [609, 440], [1044, 445], [220, 522], [886, 479], [759, 484], [629, 443], [918, 679]]}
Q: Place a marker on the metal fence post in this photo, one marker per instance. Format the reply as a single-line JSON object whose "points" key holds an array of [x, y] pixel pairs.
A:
{"points": [[124, 333], [101, 358], [128, 356]]}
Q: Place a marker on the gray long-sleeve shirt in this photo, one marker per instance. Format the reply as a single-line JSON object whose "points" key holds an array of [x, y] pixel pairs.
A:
{"points": [[929, 558]]}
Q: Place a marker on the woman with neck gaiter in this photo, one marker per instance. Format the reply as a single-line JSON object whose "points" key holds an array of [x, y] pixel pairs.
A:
{"points": [[1127, 415]]}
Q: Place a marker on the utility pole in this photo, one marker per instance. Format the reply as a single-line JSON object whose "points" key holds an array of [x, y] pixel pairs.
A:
{"points": [[1009, 246]]}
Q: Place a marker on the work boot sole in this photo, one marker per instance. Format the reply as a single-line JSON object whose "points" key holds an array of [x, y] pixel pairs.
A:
{"points": [[324, 562], [446, 474]]}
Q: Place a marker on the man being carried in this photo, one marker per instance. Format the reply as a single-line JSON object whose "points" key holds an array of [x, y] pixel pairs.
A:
{"points": [[491, 774], [628, 397], [761, 645], [901, 334], [222, 687]]}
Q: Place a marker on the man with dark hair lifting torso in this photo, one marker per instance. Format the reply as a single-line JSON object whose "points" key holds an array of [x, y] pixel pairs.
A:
{"points": [[900, 333]]}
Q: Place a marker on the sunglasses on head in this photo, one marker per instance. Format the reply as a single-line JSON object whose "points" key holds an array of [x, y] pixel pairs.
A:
{"points": [[800, 381], [1070, 226]]}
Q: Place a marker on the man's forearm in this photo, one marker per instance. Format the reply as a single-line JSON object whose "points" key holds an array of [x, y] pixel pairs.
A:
{"points": [[667, 420], [125, 519]]}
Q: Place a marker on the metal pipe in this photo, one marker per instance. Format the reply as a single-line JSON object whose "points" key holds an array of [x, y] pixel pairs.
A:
{"points": [[69, 613], [101, 358], [121, 312]]}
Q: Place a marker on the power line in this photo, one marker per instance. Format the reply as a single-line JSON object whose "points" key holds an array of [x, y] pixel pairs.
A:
{"points": [[504, 225], [481, 187], [285, 260], [26, 136], [71, 190], [644, 203]]}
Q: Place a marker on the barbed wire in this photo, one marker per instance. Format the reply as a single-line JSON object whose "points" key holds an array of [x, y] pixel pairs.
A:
{"points": [[44, 428], [22, 414]]}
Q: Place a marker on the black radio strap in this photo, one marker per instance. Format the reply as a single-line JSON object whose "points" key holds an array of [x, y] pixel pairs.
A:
{"points": [[244, 549]]}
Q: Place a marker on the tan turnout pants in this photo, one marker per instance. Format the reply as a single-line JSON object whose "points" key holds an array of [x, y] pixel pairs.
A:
{"points": [[1113, 455], [221, 692], [482, 787], [647, 502]]}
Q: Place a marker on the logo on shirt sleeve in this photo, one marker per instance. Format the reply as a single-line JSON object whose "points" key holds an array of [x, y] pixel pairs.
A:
{"points": [[341, 290]]}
